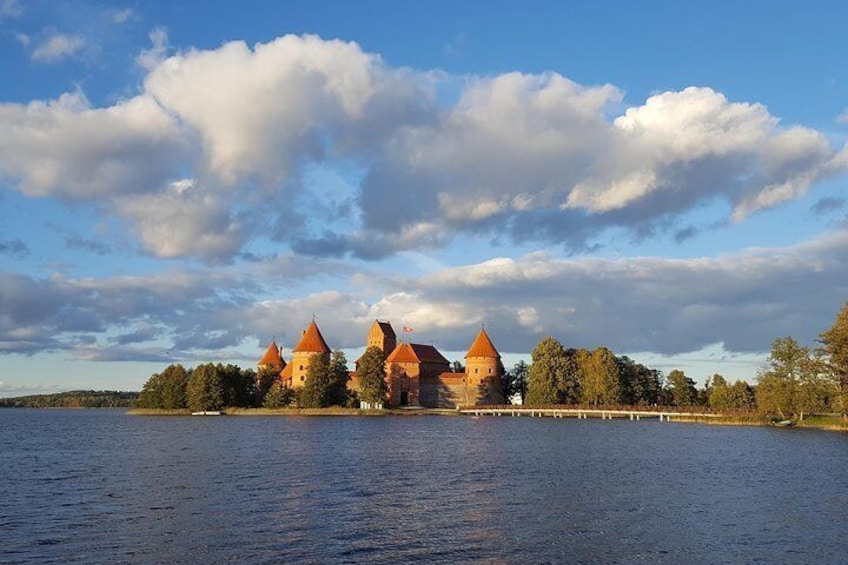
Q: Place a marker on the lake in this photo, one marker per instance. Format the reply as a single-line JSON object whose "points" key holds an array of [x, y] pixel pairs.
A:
{"points": [[99, 486]]}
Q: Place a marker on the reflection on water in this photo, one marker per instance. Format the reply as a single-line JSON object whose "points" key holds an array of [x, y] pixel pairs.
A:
{"points": [[102, 487]]}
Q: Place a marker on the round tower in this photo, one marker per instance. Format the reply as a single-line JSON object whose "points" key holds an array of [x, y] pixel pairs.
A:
{"points": [[483, 370], [311, 344]]}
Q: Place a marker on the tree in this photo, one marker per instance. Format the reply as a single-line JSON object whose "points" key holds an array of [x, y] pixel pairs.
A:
{"points": [[457, 367], [719, 393], [205, 389], [792, 383], [835, 350], [278, 395], [682, 388], [317, 388], [265, 379], [165, 390], [371, 373], [338, 377], [173, 387], [151, 393], [515, 381], [549, 361], [601, 380], [239, 385], [639, 384]]}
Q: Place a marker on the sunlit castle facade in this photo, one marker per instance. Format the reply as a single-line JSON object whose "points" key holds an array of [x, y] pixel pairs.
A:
{"points": [[416, 374]]}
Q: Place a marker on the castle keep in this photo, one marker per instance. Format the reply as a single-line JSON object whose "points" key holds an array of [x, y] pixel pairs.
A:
{"points": [[416, 374]]}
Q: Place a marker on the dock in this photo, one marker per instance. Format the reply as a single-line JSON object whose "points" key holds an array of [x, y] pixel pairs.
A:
{"points": [[584, 413]]}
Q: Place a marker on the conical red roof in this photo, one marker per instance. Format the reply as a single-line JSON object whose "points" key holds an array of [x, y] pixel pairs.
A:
{"points": [[482, 346], [272, 357], [312, 341]]}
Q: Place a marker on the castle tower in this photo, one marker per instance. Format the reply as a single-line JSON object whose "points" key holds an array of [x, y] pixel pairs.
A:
{"points": [[311, 343], [382, 335], [273, 358], [483, 369]]}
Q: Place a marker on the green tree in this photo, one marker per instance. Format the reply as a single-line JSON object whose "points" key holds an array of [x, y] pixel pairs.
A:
{"points": [[549, 362], [265, 378], [278, 396], [601, 379], [515, 381], [789, 385], [173, 386], [719, 393], [371, 373], [457, 367], [317, 387], [681, 388], [239, 385], [639, 384], [151, 393], [205, 389], [337, 395], [835, 350], [165, 390], [742, 396]]}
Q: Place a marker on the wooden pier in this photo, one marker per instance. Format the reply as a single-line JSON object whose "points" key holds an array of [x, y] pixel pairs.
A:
{"points": [[584, 413]]}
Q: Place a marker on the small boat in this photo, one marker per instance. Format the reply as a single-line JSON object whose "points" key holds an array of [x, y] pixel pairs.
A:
{"points": [[784, 423], [207, 413]]}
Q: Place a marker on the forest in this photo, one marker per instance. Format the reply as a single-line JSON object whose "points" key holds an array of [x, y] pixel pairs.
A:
{"points": [[73, 399]]}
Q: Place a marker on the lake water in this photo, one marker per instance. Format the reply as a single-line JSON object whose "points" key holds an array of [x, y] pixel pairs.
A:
{"points": [[98, 486]]}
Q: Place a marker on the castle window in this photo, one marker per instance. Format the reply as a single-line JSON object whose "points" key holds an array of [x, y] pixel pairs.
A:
{"points": [[490, 369], [302, 379], [482, 381], [475, 370], [301, 367]]}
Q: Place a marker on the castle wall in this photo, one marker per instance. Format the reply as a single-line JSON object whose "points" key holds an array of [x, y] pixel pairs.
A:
{"points": [[300, 366]]}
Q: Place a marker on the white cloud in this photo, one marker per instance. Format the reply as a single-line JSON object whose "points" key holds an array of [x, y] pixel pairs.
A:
{"points": [[527, 157], [66, 148], [122, 16], [57, 47], [10, 9], [261, 111], [148, 59], [842, 118]]}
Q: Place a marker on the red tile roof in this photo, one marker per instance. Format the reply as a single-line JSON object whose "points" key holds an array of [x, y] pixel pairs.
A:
{"points": [[416, 353], [482, 346], [312, 341], [272, 357]]}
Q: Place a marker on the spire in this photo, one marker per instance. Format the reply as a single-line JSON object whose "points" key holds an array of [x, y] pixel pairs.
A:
{"points": [[272, 357], [312, 341], [482, 346]]}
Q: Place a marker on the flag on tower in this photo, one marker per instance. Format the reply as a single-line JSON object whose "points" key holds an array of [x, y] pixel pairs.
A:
{"points": [[407, 330]]}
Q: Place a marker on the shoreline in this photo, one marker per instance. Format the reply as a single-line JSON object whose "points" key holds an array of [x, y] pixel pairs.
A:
{"points": [[814, 422]]}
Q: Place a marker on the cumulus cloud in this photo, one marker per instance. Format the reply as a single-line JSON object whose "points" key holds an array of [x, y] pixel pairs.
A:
{"points": [[66, 148], [56, 47], [531, 157]]}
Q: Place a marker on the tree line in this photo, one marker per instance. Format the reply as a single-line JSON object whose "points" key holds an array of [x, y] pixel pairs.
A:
{"points": [[215, 386], [73, 399], [796, 381]]}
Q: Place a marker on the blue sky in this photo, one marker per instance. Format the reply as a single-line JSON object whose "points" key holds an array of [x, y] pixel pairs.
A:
{"points": [[181, 181]]}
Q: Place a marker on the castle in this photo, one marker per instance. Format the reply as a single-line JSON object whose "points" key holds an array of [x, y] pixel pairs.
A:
{"points": [[416, 374]]}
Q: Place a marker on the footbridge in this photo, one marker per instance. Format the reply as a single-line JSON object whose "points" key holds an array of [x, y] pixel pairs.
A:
{"points": [[638, 413]]}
